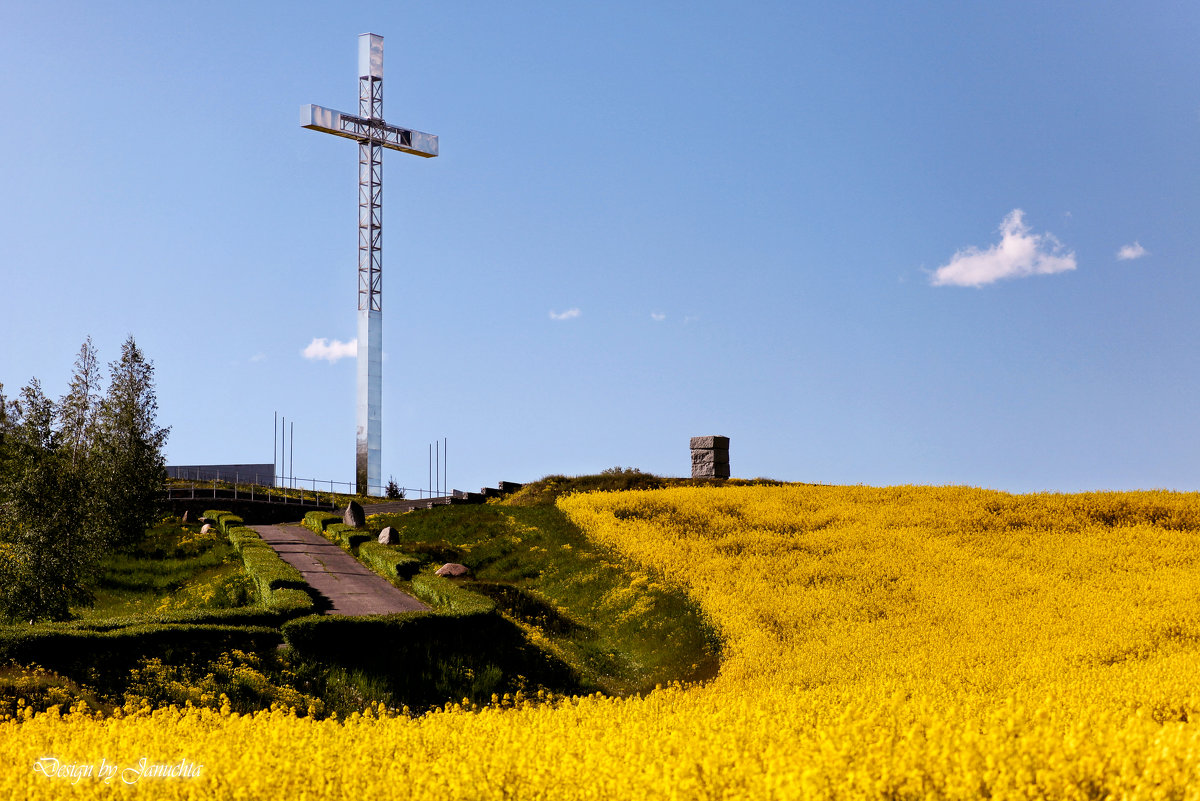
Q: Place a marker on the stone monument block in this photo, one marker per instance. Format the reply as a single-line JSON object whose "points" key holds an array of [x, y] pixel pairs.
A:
{"points": [[710, 457]]}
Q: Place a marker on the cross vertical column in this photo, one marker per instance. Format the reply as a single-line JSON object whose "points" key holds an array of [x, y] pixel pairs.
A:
{"points": [[370, 267], [373, 136]]}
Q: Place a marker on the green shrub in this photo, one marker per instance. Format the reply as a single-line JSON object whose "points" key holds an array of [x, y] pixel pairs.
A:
{"points": [[388, 562], [318, 521], [348, 537], [241, 537], [270, 572], [109, 655], [290, 601], [444, 593]]}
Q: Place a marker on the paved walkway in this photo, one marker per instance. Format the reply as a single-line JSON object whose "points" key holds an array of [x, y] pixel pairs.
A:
{"points": [[348, 586]]}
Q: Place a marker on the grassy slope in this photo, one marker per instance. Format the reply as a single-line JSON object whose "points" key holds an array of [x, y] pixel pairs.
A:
{"points": [[174, 567], [621, 629]]}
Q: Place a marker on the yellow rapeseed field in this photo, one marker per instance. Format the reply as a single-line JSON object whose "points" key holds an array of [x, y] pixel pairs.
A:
{"points": [[904, 642]]}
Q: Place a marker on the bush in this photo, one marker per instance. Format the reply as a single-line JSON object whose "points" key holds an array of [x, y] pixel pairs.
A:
{"points": [[270, 572], [110, 655], [318, 521], [290, 602], [241, 537], [346, 536], [387, 561], [442, 592]]}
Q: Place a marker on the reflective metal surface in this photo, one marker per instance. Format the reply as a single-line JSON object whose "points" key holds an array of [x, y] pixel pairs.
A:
{"points": [[326, 120], [370, 55], [372, 135]]}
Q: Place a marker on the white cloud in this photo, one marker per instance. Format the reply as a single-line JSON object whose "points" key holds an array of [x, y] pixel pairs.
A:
{"points": [[1018, 254], [1134, 251], [657, 317], [332, 351], [569, 314], [258, 357]]}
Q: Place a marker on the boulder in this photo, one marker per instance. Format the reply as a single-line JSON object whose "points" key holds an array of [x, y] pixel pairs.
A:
{"points": [[388, 536], [207, 527], [452, 570], [353, 516]]}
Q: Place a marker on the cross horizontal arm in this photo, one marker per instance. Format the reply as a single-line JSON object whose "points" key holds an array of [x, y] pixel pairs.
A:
{"points": [[326, 120]]}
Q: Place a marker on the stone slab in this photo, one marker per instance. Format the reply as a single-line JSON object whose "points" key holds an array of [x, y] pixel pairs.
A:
{"points": [[710, 471], [709, 443], [710, 457]]}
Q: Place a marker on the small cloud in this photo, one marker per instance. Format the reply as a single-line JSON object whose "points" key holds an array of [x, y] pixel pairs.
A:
{"points": [[569, 314], [258, 357], [690, 319], [1129, 252], [1018, 254], [331, 351], [657, 317]]}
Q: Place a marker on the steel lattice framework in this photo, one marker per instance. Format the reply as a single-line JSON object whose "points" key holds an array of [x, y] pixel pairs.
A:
{"points": [[372, 135]]}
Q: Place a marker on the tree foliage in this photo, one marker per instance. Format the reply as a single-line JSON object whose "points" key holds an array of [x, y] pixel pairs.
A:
{"points": [[130, 470], [76, 478]]}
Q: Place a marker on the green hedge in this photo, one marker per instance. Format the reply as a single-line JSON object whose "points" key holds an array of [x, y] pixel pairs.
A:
{"points": [[242, 616], [317, 521], [387, 561], [270, 572], [223, 520], [290, 602], [94, 655], [442, 592], [348, 537], [241, 537], [280, 586], [428, 659]]}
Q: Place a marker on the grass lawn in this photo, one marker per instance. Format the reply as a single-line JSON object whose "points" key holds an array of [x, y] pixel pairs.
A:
{"points": [[623, 630], [174, 567]]}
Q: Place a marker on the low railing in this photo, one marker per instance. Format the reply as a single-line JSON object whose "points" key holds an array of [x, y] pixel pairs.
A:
{"points": [[313, 485]]}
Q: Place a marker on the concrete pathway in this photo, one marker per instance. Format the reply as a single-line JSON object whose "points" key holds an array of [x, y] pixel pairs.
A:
{"points": [[348, 586]]}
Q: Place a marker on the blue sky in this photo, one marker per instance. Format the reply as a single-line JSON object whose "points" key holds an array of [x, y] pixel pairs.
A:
{"points": [[871, 243]]}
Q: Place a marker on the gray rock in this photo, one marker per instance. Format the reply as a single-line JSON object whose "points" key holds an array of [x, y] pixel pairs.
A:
{"points": [[353, 516], [388, 536], [709, 443], [452, 570], [205, 528]]}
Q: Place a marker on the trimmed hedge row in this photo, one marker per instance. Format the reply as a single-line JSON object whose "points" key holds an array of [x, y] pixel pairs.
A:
{"points": [[439, 591], [223, 520], [280, 586], [392, 563], [94, 655], [388, 562], [426, 659], [317, 521], [242, 616]]}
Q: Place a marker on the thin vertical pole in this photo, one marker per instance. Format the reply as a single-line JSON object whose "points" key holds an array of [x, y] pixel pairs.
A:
{"points": [[437, 473], [292, 453], [445, 465], [275, 444], [283, 449], [431, 470]]}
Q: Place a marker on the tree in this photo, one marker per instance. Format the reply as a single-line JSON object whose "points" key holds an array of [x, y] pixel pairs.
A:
{"points": [[128, 448], [77, 409], [49, 551], [393, 490]]}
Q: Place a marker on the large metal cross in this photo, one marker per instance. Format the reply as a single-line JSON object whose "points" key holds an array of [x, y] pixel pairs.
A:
{"points": [[372, 135]]}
